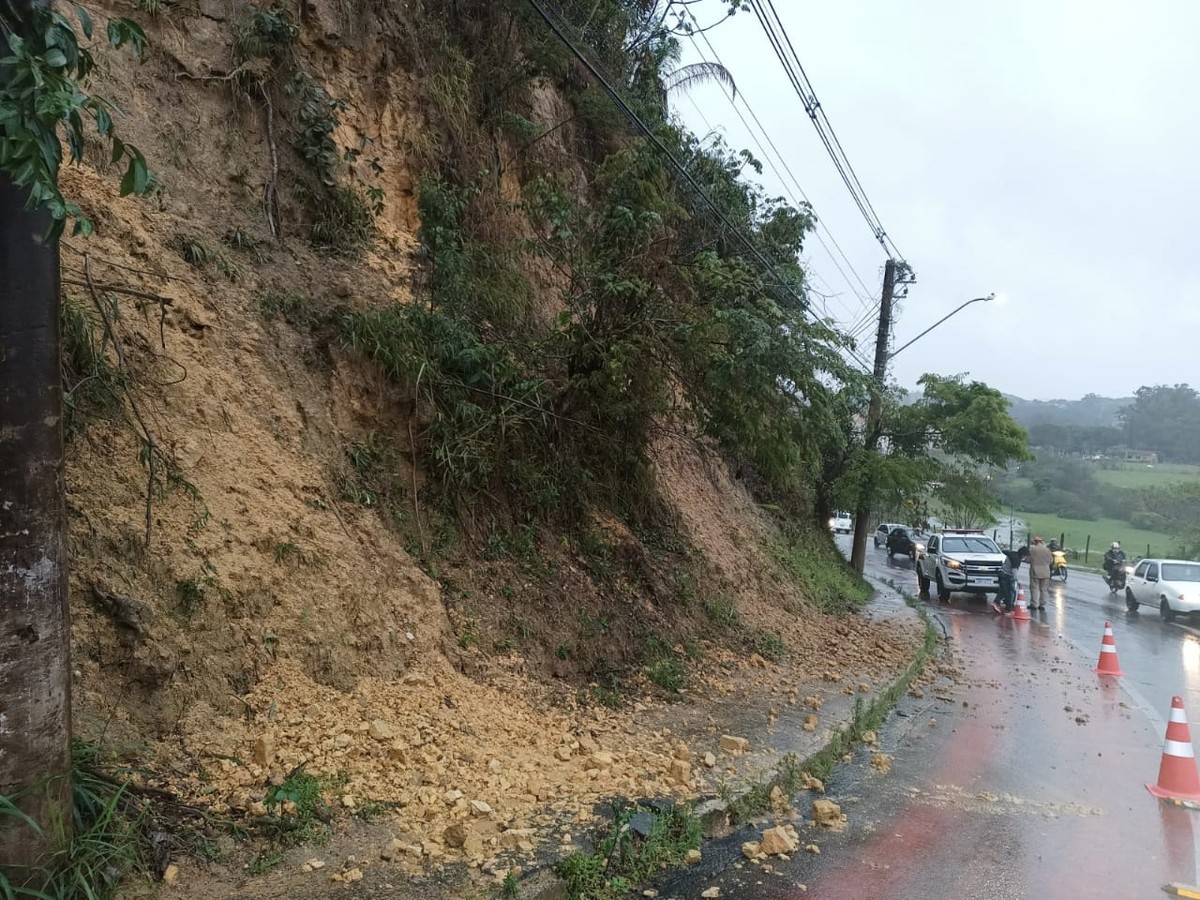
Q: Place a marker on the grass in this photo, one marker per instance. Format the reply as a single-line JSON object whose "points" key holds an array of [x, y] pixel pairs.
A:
{"points": [[294, 308], [1138, 475], [511, 885], [815, 563], [722, 609], [623, 857], [300, 809], [1135, 541], [667, 672], [110, 838], [769, 645]]}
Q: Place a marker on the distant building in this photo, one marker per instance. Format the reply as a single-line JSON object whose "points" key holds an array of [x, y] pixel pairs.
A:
{"points": [[1146, 456]]}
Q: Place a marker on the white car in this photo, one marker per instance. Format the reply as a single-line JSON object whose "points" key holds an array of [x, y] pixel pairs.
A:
{"points": [[881, 533], [1172, 585], [841, 522]]}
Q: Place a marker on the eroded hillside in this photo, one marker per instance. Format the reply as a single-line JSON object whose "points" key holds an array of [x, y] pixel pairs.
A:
{"points": [[399, 451]]}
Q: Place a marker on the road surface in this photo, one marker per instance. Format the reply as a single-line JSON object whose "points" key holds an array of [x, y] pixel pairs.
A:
{"points": [[1024, 777]]}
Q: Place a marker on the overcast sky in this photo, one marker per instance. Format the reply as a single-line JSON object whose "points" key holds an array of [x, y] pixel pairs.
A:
{"points": [[1047, 149]]}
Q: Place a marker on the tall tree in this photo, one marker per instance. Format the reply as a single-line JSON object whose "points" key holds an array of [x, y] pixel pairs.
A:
{"points": [[941, 447], [1166, 419]]}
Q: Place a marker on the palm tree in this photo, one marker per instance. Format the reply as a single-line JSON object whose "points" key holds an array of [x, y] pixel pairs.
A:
{"points": [[687, 77]]}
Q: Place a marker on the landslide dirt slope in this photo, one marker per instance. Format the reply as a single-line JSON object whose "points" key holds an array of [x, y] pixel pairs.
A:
{"points": [[269, 623]]}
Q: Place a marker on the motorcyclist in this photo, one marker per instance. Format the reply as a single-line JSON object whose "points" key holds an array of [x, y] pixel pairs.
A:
{"points": [[1060, 558], [1113, 558]]}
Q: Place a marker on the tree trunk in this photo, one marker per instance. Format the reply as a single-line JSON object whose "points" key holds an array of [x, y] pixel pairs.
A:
{"points": [[35, 672]]}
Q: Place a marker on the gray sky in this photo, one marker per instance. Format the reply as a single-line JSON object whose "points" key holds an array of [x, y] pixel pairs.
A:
{"points": [[1042, 148]]}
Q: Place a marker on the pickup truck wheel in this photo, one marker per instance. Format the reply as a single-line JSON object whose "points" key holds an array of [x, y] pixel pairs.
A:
{"points": [[943, 591], [922, 581], [1164, 609]]}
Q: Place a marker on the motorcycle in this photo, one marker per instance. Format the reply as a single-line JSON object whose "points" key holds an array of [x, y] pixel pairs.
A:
{"points": [[1058, 567], [1115, 579]]}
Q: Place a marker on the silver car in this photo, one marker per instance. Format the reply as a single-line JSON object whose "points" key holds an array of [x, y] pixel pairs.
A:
{"points": [[1172, 585]]}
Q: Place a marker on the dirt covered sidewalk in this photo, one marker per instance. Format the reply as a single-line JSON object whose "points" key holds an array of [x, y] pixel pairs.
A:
{"points": [[433, 784]]}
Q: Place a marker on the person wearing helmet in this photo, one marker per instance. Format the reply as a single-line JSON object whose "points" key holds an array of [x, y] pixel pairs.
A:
{"points": [[1113, 557]]}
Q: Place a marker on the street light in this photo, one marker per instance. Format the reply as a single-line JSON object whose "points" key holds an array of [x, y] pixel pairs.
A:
{"points": [[940, 321]]}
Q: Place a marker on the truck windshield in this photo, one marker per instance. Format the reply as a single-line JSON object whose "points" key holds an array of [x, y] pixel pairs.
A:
{"points": [[969, 545]]}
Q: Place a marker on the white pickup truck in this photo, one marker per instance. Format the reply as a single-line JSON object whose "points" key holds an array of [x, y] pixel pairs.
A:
{"points": [[960, 560]]}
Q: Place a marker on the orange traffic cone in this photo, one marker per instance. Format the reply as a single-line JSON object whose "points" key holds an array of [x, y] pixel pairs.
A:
{"points": [[1021, 613], [1177, 775], [1108, 664]]}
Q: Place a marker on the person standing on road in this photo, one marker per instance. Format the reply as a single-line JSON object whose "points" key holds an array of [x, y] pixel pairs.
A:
{"points": [[1006, 599], [1040, 561]]}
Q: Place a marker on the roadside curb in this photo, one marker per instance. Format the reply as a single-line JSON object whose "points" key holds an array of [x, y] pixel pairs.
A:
{"points": [[716, 813]]}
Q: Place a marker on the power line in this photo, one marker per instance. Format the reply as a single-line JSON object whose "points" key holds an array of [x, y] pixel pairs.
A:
{"points": [[771, 143], [770, 162], [870, 311], [820, 110], [648, 133], [781, 44]]}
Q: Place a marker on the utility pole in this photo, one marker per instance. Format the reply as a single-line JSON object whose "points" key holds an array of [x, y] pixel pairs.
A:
{"points": [[862, 513], [35, 635]]}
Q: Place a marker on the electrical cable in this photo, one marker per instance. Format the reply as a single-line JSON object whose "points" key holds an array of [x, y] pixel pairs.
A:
{"points": [[820, 110], [820, 120], [733, 98], [560, 32]]}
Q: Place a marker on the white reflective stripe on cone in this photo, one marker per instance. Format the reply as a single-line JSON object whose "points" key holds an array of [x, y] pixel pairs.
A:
{"points": [[1107, 648], [1178, 714], [1178, 748]]}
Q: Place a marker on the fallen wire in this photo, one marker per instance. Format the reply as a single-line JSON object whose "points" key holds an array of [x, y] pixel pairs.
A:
{"points": [[271, 191], [118, 289], [152, 450], [117, 265]]}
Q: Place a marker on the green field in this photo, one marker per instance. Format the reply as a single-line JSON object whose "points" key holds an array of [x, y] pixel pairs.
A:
{"points": [[1103, 532], [1139, 475]]}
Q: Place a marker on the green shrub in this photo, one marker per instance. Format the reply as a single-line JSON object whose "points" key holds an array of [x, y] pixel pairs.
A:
{"points": [[623, 857], [667, 672], [1150, 521], [769, 645], [488, 419]]}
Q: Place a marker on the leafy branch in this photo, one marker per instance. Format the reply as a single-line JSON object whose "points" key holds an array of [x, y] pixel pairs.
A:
{"points": [[41, 91]]}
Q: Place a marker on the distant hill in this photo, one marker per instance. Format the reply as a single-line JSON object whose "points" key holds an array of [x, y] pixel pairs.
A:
{"points": [[1092, 411]]}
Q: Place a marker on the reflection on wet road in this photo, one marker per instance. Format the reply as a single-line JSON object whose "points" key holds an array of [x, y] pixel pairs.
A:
{"points": [[1024, 778]]}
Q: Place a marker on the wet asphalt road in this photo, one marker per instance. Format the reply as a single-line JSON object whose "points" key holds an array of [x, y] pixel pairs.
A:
{"points": [[1025, 778]]}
